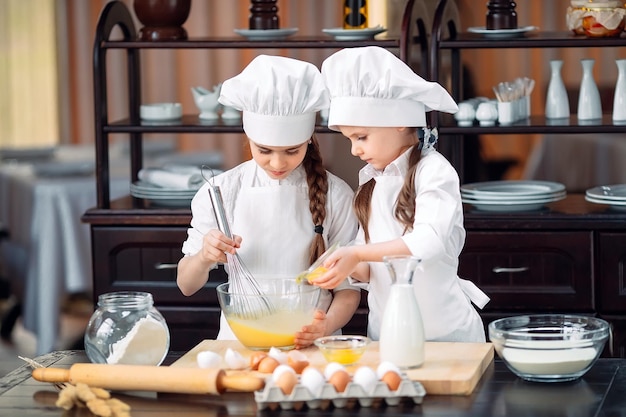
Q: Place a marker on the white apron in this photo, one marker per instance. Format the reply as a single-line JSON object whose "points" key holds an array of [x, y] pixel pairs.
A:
{"points": [[447, 312], [276, 227]]}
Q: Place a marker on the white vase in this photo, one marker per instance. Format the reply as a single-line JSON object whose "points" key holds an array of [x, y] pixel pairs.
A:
{"points": [[557, 102], [619, 99], [589, 104]]}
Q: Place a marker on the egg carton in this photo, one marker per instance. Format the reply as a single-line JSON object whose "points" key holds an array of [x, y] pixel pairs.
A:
{"points": [[272, 394]]}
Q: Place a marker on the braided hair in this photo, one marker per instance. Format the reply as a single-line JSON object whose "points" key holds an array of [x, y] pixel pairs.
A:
{"points": [[317, 180]]}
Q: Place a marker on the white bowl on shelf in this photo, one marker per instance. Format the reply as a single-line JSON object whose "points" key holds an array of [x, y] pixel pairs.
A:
{"points": [[161, 111]]}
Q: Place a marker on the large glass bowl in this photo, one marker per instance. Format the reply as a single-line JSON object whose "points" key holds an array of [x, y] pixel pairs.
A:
{"points": [[549, 347], [257, 327]]}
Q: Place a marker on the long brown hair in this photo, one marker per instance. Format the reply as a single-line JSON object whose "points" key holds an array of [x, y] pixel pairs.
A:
{"points": [[317, 179], [405, 203]]}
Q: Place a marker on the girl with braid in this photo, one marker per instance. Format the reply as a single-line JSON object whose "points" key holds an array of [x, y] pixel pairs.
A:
{"points": [[283, 207], [408, 201]]}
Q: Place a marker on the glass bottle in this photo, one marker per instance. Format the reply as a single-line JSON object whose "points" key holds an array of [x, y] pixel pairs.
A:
{"points": [[589, 104], [557, 102], [402, 330], [126, 328], [619, 99]]}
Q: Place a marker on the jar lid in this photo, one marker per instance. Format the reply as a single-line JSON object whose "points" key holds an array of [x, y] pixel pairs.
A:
{"points": [[598, 3]]}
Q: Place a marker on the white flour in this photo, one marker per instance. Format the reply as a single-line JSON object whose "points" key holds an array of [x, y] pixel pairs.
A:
{"points": [[145, 344], [549, 362]]}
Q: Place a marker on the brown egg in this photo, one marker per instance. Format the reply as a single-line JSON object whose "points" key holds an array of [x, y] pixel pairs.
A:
{"points": [[339, 379], [392, 379], [297, 360], [267, 365], [285, 379], [299, 366], [255, 358]]}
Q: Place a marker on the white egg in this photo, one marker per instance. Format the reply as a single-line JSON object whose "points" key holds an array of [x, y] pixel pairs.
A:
{"points": [[331, 368], [235, 360], [208, 359], [385, 367], [366, 378], [278, 354], [280, 369], [313, 380]]}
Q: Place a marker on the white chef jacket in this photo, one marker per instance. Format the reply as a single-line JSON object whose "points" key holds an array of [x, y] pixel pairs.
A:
{"points": [[437, 238], [274, 221]]}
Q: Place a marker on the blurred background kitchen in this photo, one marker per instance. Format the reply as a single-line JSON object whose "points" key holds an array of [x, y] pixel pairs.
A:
{"points": [[46, 111]]}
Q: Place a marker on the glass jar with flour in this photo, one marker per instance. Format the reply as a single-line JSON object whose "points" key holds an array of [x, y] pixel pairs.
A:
{"points": [[126, 328]]}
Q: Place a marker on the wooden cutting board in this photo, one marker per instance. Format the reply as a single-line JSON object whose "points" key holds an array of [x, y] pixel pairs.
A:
{"points": [[449, 368]]}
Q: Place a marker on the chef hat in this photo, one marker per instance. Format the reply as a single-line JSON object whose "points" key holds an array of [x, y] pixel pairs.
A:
{"points": [[371, 87], [279, 97]]}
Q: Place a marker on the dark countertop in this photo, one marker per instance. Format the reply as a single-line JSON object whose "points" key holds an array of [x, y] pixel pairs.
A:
{"points": [[601, 393]]}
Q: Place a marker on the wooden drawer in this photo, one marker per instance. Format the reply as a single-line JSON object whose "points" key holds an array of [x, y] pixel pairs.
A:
{"points": [[611, 262], [144, 259], [531, 271]]}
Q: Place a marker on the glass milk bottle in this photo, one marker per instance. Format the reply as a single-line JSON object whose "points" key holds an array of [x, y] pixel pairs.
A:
{"points": [[402, 331]]}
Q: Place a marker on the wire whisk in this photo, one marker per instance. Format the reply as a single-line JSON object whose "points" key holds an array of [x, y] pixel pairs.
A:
{"points": [[247, 297]]}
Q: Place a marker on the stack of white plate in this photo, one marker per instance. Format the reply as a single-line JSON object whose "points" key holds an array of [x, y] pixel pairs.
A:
{"points": [[513, 195], [161, 196], [613, 195]]}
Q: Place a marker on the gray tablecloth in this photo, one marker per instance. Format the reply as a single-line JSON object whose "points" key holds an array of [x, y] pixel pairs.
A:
{"points": [[48, 254]]}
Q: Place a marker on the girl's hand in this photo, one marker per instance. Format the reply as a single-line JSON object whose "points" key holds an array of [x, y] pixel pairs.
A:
{"points": [[312, 331], [339, 265], [215, 244]]}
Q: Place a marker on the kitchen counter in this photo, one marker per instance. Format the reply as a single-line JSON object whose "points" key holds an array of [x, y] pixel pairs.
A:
{"points": [[601, 392]]}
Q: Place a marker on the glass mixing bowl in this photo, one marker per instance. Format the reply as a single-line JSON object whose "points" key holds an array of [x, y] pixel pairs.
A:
{"points": [[343, 349], [291, 306], [549, 347]]}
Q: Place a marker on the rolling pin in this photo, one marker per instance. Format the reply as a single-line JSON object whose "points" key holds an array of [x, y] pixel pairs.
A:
{"points": [[151, 378]]}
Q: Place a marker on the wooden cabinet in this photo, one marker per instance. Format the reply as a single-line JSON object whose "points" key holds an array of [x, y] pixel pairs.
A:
{"points": [[134, 245], [540, 270]]}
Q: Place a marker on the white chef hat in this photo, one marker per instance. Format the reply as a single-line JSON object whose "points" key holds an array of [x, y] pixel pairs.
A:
{"points": [[371, 87], [279, 97]]}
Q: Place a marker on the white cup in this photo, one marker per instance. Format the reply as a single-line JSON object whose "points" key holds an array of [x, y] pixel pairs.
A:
{"points": [[506, 112]]}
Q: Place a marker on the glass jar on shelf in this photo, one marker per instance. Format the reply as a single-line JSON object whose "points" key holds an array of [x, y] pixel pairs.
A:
{"points": [[126, 328], [596, 18]]}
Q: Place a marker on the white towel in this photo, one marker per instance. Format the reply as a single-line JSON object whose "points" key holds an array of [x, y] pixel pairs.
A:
{"points": [[169, 179]]}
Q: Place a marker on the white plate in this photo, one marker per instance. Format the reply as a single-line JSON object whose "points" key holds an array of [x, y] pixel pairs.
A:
{"points": [[511, 206], [266, 34], [511, 188], [615, 192], [511, 199], [146, 189], [501, 33], [618, 205], [341, 34]]}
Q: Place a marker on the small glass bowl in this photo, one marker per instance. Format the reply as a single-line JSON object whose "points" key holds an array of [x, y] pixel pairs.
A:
{"points": [[343, 349], [549, 347]]}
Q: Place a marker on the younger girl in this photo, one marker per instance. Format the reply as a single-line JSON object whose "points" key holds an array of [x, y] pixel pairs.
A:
{"points": [[283, 207], [408, 201]]}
